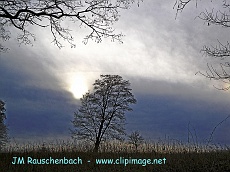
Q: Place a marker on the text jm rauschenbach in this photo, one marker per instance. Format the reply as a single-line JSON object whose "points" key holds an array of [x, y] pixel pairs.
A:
{"points": [[50, 160]]}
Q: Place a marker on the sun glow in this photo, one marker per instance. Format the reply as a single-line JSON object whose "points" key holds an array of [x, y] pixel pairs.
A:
{"points": [[226, 86], [78, 86]]}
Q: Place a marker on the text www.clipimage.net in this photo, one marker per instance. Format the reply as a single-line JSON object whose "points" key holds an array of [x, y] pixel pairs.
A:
{"points": [[133, 161]]}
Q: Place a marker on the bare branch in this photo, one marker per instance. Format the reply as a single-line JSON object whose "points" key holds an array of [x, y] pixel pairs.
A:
{"points": [[214, 129], [180, 5], [220, 17], [99, 16]]}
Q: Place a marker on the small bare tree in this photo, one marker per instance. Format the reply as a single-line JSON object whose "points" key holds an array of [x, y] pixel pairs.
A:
{"points": [[101, 115], [135, 139], [97, 15], [3, 128], [219, 17]]}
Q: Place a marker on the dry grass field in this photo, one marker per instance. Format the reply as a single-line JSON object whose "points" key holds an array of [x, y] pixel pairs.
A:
{"points": [[178, 157]]}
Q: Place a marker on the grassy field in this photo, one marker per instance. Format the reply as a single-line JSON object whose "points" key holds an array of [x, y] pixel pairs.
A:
{"points": [[178, 157]]}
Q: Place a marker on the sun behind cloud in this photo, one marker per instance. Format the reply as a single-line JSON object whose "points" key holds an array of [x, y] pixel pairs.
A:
{"points": [[78, 86]]}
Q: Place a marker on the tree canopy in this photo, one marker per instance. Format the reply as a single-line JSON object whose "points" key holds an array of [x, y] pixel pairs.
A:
{"points": [[101, 115], [135, 139], [3, 128]]}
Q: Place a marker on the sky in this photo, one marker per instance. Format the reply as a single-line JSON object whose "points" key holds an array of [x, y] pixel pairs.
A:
{"points": [[160, 55]]}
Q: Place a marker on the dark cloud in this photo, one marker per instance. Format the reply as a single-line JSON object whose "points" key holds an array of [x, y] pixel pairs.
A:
{"points": [[157, 116]]}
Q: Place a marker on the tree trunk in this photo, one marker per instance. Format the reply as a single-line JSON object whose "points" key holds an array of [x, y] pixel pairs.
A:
{"points": [[97, 143], [96, 146]]}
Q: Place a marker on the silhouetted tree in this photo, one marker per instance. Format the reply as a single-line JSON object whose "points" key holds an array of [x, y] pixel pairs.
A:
{"points": [[102, 112], [219, 17], [3, 128], [135, 139], [97, 15]]}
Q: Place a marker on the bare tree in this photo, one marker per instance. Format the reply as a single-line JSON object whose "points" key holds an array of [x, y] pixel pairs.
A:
{"points": [[102, 112], [97, 15], [219, 17], [3, 128], [135, 139]]}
